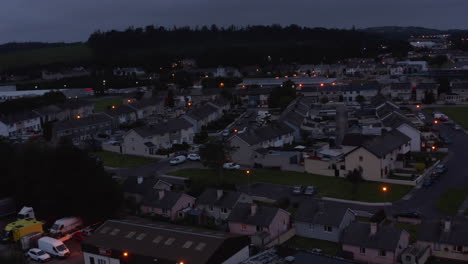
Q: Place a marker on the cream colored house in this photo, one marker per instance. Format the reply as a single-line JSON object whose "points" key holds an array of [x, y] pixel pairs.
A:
{"points": [[376, 157]]}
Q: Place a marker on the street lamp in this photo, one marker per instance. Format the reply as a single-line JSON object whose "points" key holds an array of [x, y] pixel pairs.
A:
{"points": [[384, 189]]}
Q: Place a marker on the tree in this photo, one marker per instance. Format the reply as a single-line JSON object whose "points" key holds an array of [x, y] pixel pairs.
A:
{"points": [[214, 154], [360, 99], [282, 96], [170, 102], [355, 177], [429, 97], [324, 100]]}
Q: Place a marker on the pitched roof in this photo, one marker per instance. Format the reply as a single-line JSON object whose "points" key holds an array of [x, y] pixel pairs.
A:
{"points": [[202, 112], [317, 212], [170, 126], [265, 133], [386, 143], [167, 242], [396, 119], [82, 122], [355, 139], [17, 117], [433, 231], [168, 200], [48, 109], [131, 185], [120, 110], [358, 234], [227, 200], [242, 214]]}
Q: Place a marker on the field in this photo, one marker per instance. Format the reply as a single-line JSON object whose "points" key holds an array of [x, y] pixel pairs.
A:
{"points": [[451, 200], [327, 186], [105, 104], [115, 160], [327, 247], [44, 56]]}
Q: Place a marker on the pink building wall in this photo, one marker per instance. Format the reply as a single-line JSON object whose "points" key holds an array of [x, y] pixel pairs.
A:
{"points": [[183, 202], [279, 225]]}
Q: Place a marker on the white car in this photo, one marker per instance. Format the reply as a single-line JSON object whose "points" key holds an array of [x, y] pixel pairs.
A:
{"points": [[225, 133], [193, 157], [38, 255], [231, 166], [457, 127], [178, 160], [309, 190]]}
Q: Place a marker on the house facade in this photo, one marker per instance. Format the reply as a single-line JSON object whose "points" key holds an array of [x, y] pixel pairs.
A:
{"points": [[20, 124], [218, 204], [167, 204]]}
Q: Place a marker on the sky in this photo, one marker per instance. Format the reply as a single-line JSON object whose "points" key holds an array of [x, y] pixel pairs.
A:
{"points": [[75, 20]]}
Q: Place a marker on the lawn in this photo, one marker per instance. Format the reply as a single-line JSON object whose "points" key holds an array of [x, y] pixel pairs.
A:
{"points": [[412, 230], [66, 54], [115, 160], [105, 104], [327, 186], [457, 114], [451, 200], [327, 247]]}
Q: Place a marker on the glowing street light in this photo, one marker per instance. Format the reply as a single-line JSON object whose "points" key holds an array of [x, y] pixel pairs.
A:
{"points": [[433, 147], [125, 254], [418, 106], [247, 172], [384, 189], [78, 117], [436, 121], [113, 107]]}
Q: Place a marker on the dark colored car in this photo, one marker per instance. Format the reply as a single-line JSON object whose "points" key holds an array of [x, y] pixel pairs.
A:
{"points": [[409, 214], [79, 236], [427, 182]]}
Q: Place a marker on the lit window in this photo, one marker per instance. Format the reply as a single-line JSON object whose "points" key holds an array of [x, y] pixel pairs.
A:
{"points": [[244, 226]]}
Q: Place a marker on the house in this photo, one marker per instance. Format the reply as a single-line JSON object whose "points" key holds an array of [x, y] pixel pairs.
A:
{"points": [[245, 144], [377, 157], [315, 219], [166, 204], [461, 89], [447, 239], [398, 121], [122, 115], [366, 91], [20, 124], [51, 113], [147, 140], [79, 129], [423, 89], [74, 108], [261, 222], [401, 91], [147, 107], [131, 71], [218, 203], [373, 243], [137, 241], [137, 187], [202, 115], [254, 97], [283, 160]]}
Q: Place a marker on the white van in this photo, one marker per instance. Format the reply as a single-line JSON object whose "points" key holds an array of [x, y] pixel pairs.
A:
{"points": [[66, 225], [53, 246]]}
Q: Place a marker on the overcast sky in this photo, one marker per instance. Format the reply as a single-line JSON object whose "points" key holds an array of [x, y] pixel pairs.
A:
{"points": [[75, 20]]}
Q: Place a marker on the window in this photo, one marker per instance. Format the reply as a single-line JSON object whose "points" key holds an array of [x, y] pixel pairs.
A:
{"points": [[189, 204], [361, 158], [91, 260], [327, 228], [101, 261], [382, 253], [458, 248], [244, 226], [311, 226], [362, 251], [211, 207], [164, 210], [224, 210], [437, 246], [259, 228]]}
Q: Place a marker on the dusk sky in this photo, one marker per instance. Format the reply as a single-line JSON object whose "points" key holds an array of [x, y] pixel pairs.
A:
{"points": [[61, 20]]}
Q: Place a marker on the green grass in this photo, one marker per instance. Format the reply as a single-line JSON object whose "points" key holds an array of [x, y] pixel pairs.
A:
{"points": [[105, 104], [412, 230], [70, 53], [451, 200], [327, 247], [115, 160], [457, 114], [363, 219], [327, 186]]}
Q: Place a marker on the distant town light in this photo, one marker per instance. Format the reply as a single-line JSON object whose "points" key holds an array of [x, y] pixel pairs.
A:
{"points": [[433, 147], [65, 86], [129, 100], [322, 84], [436, 121], [384, 189], [247, 172], [418, 106], [333, 83], [235, 130], [78, 117], [113, 107], [125, 254], [221, 84]]}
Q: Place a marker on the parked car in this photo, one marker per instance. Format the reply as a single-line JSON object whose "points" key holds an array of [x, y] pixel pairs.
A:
{"points": [[409, 214], [193, 157], [181, 153], [38, 255], [309, 190], [225, 133], [297, 189], [178, 160], [427, 182], [440, 169], [457, 127], [231, 166], [79, 236]]}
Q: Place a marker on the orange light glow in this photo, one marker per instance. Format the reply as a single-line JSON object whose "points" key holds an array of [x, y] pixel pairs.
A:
{"points": [[247, 172], [221, 85], [189, 103], [78, 117], [433, 147], [181, 262], [235, 130], [125, 254], [322, 84], [333, 83], [418, 106], [113, 107], [384, 189], [129, 100], [300, 85], [436, 121]]}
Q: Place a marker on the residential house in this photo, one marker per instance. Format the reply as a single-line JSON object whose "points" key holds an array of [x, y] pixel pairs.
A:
{"points": [[318, 220], [122, 115], [398, 121], [402, 91], [351, 92], [51, 113], [137, 187], [424, 89], [218, 204], [131, 71], [20, 124], [147, 107], [373, 243], [447, 239], [167, 204], [79, 129], [256, 97], [147, 140], [137, 241], [461, 89], [263, 223], [202, 115], [245, 144], [377, 157], [77, 108]]}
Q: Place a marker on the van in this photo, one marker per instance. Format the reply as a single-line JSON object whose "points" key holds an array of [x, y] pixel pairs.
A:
{"points": [[66, 225], [53, 246]]}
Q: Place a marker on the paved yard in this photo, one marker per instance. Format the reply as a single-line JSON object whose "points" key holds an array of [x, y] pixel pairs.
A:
{"points": [[327, 186], [457, 114]]}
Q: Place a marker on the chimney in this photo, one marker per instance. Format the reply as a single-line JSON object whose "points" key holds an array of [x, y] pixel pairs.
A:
{"points": [[253, 209], [161, 194], [373, 228], [447, 225], [140, 180], [219, 194]]}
